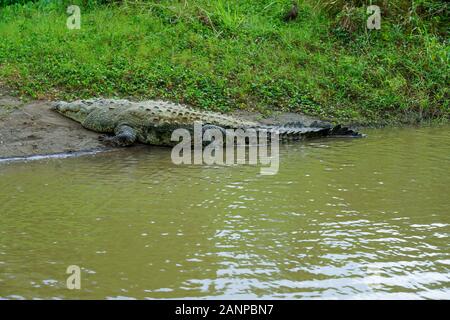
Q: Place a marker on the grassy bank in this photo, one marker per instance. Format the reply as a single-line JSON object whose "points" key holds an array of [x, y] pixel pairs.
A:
{"points": [[225, 55]]}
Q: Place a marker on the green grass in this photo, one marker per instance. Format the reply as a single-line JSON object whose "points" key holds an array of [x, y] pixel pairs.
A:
{"points": [[226, 55]]}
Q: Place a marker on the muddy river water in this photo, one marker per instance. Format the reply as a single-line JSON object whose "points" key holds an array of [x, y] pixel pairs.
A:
{"points": [[363, 218]]}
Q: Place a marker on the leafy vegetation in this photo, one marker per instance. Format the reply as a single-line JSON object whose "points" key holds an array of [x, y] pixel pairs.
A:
{"points": [[236, 54]]}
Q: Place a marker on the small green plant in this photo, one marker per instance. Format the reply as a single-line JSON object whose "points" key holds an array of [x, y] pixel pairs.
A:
{"points": [[234, 54]]}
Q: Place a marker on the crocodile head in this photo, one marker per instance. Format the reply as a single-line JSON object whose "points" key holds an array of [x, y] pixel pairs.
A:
{"points": [[77, 110]]}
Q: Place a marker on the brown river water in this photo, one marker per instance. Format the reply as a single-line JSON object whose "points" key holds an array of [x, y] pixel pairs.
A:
{"points": [[363, 218]]}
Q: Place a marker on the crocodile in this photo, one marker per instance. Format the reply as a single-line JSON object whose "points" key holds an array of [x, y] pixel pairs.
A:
{"points": [[124, 122]]}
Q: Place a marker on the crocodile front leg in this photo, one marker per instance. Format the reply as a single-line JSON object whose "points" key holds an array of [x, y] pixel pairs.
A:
{"points": [[124, 136]]}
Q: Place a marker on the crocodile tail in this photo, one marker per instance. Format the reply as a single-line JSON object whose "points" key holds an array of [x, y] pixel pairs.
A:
{"points": [[298, 133], [340, 131], [292, 132]]}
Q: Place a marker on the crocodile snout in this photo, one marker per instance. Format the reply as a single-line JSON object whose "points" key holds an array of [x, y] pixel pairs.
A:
{"points": [[64, 107]]}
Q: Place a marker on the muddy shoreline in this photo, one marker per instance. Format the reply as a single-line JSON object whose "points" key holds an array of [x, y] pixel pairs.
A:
{"points": [[32, 129]]}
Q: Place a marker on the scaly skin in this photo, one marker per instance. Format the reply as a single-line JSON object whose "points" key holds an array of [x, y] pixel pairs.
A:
{"points": [[152, 122]]}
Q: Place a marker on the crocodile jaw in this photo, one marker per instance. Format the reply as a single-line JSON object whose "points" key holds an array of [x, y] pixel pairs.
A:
{"points": [[76, 110]]}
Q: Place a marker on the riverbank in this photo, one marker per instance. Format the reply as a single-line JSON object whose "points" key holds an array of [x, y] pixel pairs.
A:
{"points": [[28, 129], [32, 128], [228, 56]]}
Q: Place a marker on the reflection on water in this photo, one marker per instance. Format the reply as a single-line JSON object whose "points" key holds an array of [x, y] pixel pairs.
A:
{"points": [[363, 218]]}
